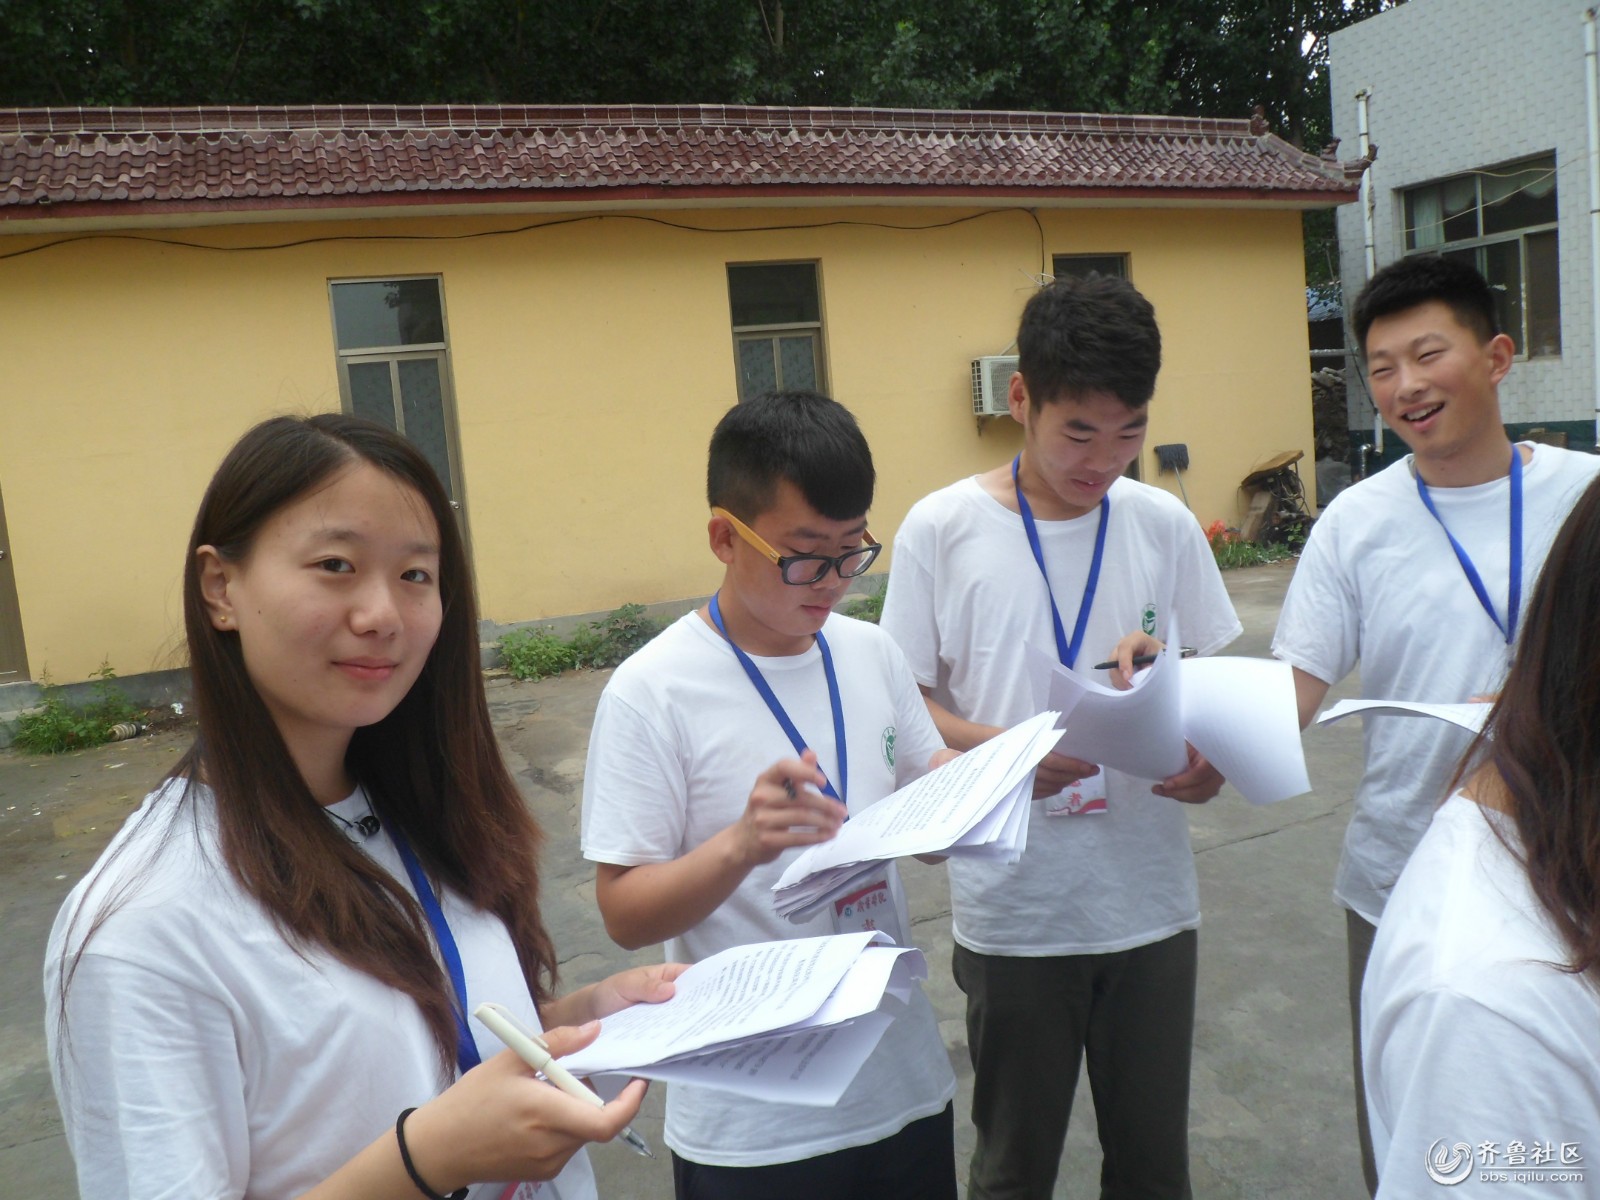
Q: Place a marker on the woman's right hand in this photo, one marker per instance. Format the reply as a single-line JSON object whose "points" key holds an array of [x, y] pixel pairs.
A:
{"points": [[500, 1122]]}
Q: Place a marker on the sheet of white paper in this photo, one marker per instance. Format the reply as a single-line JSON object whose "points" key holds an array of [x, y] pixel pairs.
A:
{"points": [[1241, 713], [1139, 732], [740, 992], [1468, 716], [880, 971], [869, 978], [812, 1067], [933, 812], [990, 826]]}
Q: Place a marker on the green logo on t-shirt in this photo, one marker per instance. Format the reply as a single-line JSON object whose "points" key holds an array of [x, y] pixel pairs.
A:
{"points": [[1147, 621], [888, 746]]}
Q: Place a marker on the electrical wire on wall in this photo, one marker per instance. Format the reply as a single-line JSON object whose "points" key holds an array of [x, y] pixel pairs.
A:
{"points": [[532, 227]]}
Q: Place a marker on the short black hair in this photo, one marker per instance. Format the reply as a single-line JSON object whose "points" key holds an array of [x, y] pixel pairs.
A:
{"points": [[1093, 333], [1418, 279], [803, 437]]}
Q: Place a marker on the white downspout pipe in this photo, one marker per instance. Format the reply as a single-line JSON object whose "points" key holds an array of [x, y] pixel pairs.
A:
{"points": [[1591, 60], [1368, 240]]}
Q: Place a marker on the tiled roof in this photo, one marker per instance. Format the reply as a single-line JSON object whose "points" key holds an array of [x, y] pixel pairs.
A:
{"points": [[61, 162]]}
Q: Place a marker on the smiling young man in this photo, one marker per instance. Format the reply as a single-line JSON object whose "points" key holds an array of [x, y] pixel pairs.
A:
{"points": [[765, 685], [1086, 947], [1417, 572]]}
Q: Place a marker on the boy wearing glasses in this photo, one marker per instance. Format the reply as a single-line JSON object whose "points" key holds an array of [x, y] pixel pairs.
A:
{"points": [[742, 733], [1085, 949]]}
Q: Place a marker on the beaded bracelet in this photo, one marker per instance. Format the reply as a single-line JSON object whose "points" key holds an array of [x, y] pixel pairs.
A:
{"points": [[411, 1167]]}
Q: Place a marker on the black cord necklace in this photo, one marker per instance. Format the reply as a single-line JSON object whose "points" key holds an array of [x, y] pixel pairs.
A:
{"points": [[366, 825]]}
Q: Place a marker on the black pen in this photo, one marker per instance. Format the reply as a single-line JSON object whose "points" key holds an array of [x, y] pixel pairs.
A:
{"points": [[1144, 660]]}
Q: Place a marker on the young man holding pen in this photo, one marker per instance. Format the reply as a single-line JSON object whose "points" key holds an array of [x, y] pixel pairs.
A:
{"points": [[1418, 571], [1086, 947], [765, 686]]}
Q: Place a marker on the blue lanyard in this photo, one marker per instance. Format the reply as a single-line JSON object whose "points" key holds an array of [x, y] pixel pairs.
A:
{"points": [[1514, 597], [776, 708], [1067, 652], [466, 1049]]}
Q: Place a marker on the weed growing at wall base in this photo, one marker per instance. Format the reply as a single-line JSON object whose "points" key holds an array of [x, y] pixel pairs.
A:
{"points": [[867, 605], [1230, 550], [538, 653], [57, 725]]}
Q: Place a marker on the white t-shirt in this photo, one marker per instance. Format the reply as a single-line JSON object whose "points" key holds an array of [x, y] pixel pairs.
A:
{"points": [[1469, 1034], [1378, 582], [205, 1057], [964, 597], [680, 736]]}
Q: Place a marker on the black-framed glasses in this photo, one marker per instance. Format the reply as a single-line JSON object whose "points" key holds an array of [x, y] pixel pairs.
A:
{"points": [[802, 570]]}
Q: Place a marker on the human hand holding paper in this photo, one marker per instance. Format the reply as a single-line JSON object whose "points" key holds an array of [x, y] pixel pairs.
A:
{"points": [[975, 805], [1198, 782], [1138, 731], [789, 1021], [1131, 647]]}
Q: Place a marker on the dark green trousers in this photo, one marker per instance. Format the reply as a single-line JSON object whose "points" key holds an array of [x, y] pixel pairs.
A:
{"points": [[1032, 1021], [1360, 934]]}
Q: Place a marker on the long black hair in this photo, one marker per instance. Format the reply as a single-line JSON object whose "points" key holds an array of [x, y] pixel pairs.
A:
{"points": [[431, 766]]}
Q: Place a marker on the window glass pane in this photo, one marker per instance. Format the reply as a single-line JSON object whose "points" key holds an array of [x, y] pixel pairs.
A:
{"points": [[1079, 265], [1520, 196], [397, 312], [774, 294], [1424, 218], [422, 408], [1502, 267], [758, 369], [797, 362], [370, 393], [1460, 208], [1544, 294]]}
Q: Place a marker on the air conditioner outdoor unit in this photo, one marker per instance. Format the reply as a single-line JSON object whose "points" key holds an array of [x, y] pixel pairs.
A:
{"points": [[991, 381]]}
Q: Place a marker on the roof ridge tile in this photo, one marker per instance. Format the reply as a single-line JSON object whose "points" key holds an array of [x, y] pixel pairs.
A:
{"points": [[238, 155]]}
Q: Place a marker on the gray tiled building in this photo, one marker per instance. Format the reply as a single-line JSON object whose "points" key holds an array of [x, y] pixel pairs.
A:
{"points": [[1480, 111]]}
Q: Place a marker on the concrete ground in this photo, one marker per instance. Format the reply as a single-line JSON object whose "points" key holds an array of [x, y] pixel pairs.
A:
{"points": [[1271, 1107]]}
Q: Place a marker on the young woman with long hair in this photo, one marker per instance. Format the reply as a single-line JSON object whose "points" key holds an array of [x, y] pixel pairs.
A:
{"points": [[1481, 1009], [261, 989]]}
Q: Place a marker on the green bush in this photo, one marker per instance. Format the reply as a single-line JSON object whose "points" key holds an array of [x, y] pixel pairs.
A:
{"points": [[536, 654], [868, 605], [587, 647], [57, 725], [623, 632], [1230, 550]]}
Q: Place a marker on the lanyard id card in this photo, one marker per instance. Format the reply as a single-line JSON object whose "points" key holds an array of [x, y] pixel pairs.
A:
{"points": [[467, 1055], [529, 1190], [775, 706], [1508, 627], [868, 908], [1080, 798], [1083, 796]]}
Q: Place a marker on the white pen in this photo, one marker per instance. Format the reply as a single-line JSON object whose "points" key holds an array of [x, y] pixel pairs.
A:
{"points": [[531, 1049]]}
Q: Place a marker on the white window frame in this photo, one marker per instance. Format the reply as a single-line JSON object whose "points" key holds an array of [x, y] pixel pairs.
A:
{"points": [[1482, 242], [393, 355], [754, 333]]}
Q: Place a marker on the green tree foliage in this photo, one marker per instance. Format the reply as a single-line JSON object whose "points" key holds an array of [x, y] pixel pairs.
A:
{"points": [[1218, 58], [1190, 57]]}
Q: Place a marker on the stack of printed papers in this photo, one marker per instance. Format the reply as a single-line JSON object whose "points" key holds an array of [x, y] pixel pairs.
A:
{"points": [[789, 1021], [976, 806]]}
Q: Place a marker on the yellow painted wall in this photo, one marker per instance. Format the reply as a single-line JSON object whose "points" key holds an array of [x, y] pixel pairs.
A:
{"points": [[590, 361]]}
